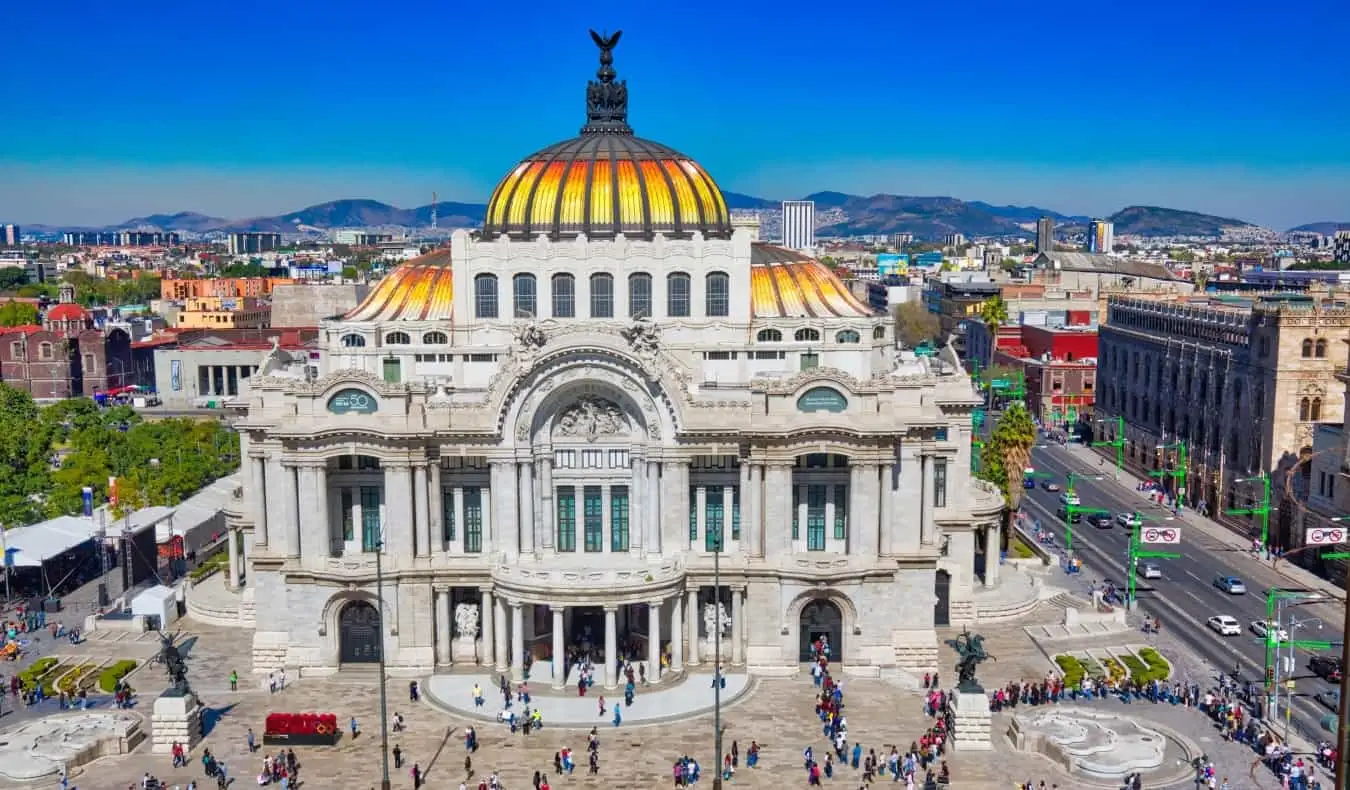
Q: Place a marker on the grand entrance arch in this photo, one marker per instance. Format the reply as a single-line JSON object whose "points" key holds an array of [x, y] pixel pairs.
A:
{"points": [[359, 633], [942, 588], [822, 617]]}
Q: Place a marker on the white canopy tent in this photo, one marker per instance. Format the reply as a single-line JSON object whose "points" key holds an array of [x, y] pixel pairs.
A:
{"points": [[31, 546]]}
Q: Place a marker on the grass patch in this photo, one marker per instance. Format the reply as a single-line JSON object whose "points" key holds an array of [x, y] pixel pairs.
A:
{"points": [[1093, 669], [216, 562], [70, 682], [30, 677], [1114, 670], [48, 680], [1158, 668], [107, 679], [1071, 668], [1018, 548]]}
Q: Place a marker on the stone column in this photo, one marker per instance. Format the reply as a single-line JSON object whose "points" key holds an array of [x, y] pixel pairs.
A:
{"points": [[864, 534], [777, 510], [905, 524], [699, 538], [676, 637], [728, 512], [421, 513], [436, 501], [258, 498], [559, 649], [290, 486], [637, 507], [547, 512], [993, 541], [606, 519], [654, 640], [486, 625], [323, 533], [306, 511], [674, 506], [525, 524], [505, 532], [652, 504], [886, 504], [457, 502], [926, 523], [398, 526], [611, 646], [752, 530], [503, 650], [232, 536], [517, 642], [442, 627], [737, 626], [692, 627]]}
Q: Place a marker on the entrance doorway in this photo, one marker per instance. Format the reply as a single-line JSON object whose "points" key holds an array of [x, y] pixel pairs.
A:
{"points": [[359, 633], [942, 587], [588, 631], [822, 618]]}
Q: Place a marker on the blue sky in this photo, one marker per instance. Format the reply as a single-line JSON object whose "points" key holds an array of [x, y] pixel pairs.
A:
{"points": [[251, 108]]}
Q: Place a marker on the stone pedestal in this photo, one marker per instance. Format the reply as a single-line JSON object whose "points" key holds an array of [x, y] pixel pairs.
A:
{"points": [[176, 719], [464, 650], [973, 723]]}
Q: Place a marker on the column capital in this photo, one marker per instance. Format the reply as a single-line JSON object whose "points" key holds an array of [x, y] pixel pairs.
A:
{"points": [[740, 588], [611, 608], [396, 466], [557, 608], [656, 602], [516, 604]]}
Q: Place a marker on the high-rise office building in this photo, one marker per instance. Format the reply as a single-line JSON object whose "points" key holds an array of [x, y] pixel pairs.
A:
{"points": [[1045, 234], [954, 240], [9, 235], [1101, 237], [248, 243], [799, 225], [1340, 247], [899, 240]]}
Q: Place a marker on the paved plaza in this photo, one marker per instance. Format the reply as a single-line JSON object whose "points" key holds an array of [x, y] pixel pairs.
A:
{"points": [[777, 713]]}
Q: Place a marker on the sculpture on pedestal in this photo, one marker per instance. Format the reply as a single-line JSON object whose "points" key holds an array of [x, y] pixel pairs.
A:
{"points": [[175, 665], [715, 619], [466, 621], [970, 654]]}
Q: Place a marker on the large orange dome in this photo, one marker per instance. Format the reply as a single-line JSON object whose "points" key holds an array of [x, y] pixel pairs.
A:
{"points": [[607, 181]]}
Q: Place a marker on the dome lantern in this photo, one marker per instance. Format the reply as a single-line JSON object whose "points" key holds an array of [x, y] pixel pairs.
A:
{"points": [[607, 181]]}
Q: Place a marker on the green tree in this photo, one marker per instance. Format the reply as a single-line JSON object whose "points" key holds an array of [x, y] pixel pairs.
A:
{"points": [[914, 324], [24, 458], [11, 277], [1201, 278], [14, 313], [994, 314], [1004, 459], [249, 269], [350, 273]]}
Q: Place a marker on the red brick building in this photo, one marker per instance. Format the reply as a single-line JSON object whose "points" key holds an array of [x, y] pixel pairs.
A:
{"points": [[66, 356], [1060, 368]]}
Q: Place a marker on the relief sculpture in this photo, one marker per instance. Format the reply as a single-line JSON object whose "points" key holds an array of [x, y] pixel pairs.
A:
{"points": [[591, 418]]}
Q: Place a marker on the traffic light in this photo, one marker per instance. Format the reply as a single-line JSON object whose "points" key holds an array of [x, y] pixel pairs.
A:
{"points": [[1270, 675]]}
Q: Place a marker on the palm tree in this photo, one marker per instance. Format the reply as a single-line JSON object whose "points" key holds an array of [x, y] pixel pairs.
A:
{"points": [[1004, 458], [994, 314]]}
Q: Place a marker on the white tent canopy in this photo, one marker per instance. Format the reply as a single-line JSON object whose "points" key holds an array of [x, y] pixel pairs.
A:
{"points": [[34, 544]]}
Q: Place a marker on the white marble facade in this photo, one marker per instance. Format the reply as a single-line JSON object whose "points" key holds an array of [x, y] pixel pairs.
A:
{"points": [[570, 494]]}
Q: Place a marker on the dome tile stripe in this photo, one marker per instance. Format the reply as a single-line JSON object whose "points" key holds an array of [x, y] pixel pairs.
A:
{"points": [[658, 194], [420, 290], [630, 191], [684, 192], [572, 215], [602, 195], [799, 289]]}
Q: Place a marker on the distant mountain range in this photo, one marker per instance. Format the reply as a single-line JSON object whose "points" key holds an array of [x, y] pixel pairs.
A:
{"points": [[1324, 228], [842, 214]]}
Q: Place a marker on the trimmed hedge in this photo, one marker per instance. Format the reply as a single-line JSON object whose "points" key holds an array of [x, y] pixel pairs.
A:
{"points": [[1072, 669], [1114, 670], [108, 678], [49, 680], [1158, 668], [212, 564], [29, 677], [70, 683]]}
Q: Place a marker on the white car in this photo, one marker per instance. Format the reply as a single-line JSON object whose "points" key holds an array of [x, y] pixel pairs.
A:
{"points": [[1262, 629], [1067, 498], [1129, 520], [1225, 625], [1149, 570]]}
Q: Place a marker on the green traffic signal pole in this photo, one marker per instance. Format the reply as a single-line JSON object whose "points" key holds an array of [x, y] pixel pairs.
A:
{"points": [[1263, 511], [1178, 474], [1076, 510], [1136, 554], [1118, 443]]}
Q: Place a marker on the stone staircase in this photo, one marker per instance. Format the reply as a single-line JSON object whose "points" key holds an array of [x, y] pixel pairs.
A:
{"points": [[209, 602], [1016, 595], [1059, 633]]}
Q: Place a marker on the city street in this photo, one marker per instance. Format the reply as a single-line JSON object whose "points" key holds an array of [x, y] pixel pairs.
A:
{"points": [[1185, 598]]}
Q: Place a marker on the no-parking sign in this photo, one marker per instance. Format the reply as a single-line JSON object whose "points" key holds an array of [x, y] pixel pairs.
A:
{"points": [[1324, 536], [1166, 535]]}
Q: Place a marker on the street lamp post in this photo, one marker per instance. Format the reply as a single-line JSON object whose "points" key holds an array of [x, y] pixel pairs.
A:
{"points": [[384, 701], [1118, 442], [1263, 511], [1295, 623]]}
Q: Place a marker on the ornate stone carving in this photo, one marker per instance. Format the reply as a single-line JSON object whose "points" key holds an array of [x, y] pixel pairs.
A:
{"points": [[591, 418], [466, 620], [644, 338], [529, 336], [715, 617]]}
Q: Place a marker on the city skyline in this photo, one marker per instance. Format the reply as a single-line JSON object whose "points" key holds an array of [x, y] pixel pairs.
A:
{"points": [[238, 136]]}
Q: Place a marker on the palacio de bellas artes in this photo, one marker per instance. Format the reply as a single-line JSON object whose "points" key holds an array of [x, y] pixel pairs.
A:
{"points": [[536, 435]]}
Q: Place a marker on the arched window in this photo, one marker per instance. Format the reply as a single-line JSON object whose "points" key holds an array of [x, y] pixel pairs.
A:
{"points": [[1307, 348], [1321, 349], [353, 341], [847, 336], [1304, 406], [1316, 410], [524, 296], [435, 339], [717, 300], [640, 295], [602, 296], [677, 295], [564, 296], [769, 336], [485, 296], [806, 336], [879, 333], [397, 339]]}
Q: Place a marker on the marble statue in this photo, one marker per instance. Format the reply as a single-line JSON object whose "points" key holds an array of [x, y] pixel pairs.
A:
{"points": [[529, 336], [715, 615], [466, 620], [643, 337]]}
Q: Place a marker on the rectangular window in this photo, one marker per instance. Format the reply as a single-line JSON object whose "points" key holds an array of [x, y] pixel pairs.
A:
{"points": [[567, 518], [810, 360], [473, 520], [939, 484], [840, 512], [796, 511], [815, 518], [736, 514], [693, 514], [449, 516], [594, 515], [348, 517], [618, 459], [564, 459], [618, 518], [770, 355], [393, 373], [592, 459], [640, 296], [370, 518], [564, 296], [712, 508]]}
